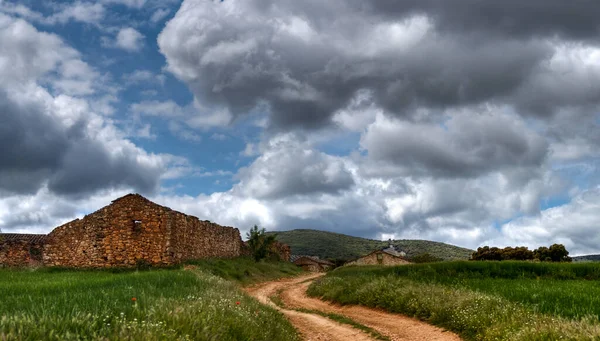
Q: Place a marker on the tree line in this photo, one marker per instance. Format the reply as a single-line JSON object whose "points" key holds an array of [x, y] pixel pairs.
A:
{"points": [[554, 253]]}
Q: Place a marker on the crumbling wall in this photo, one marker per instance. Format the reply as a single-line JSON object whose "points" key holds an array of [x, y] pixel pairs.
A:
{"points": [[133, 230], [282, 250], [129, 231], [19, 252], [196, 239]]}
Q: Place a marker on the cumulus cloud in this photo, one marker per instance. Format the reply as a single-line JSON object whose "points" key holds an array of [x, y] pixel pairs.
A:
{"points": [[462, 124], [413, 119], [129, 39], [463, 146], [241, 54], [574, 224], [55, 142], [287, 169]]}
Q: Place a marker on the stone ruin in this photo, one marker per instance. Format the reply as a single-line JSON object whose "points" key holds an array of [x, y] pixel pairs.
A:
{"points": [[131, 231]]}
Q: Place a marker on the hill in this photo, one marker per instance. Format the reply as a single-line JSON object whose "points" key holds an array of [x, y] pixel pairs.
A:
{"points": [[587, 258], [331, 245]]}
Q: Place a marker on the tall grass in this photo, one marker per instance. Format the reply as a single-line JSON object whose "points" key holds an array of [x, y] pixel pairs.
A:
{"points": [[504, 269], [246, 271], [480, 300], [147, 305]]}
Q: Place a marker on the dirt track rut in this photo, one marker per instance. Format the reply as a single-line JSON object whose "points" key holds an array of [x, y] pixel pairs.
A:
{"points": [[314, 327]]}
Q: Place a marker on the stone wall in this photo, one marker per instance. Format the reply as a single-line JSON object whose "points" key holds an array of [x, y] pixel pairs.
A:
{"points": [[132, 231], [21, 250], [196, 239], [385, 259], [283, 250]]}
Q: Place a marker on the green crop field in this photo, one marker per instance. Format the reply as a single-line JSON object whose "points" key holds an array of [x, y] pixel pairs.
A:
{"points": [[480, 300], [171, 304]]}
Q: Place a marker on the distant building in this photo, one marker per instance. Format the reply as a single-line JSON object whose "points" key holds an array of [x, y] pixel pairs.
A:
{"points": [[387, 257], [312, 263]]}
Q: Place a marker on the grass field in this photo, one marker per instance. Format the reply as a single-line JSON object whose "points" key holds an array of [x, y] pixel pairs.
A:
{"points": [[172, 304], [246, 271], [480, 300]]}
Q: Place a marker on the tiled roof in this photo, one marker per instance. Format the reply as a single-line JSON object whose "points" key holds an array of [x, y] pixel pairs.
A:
{"points": [[14, 237]]}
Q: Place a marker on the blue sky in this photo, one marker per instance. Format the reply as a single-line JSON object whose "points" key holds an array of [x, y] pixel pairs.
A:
{"points": [[403, 120]]}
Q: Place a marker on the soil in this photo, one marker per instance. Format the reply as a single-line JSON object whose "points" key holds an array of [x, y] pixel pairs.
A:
{"points": [[315, 327]]}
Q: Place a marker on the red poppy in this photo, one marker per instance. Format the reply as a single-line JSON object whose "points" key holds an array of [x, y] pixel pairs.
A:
{"points": [[133, 299], [238, 302]]}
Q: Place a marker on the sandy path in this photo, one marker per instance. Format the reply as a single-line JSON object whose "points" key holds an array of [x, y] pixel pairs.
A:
{"points": [[315, 327]]}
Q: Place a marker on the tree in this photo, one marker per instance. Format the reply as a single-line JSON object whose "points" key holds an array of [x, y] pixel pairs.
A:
{"points": [[555, 253], [542, 254], [259, 242], [558, 253], [508, 253]]}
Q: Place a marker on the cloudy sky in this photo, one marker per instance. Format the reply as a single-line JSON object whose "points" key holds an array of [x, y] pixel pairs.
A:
{"points": [[469, 122]]}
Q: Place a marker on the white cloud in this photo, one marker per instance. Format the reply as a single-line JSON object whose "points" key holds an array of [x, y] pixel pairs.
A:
{"points": [[159, 15], [193, 115], [85, 12], [574, 224], [71, 149], [183, 133], [129, 3], [143, 77], [218, 137], [129, 39]]}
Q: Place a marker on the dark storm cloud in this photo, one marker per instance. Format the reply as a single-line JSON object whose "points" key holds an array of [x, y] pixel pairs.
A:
{"points": [[37, 149], [32, 145], [537, 18], [465, 147], [306, 60]]}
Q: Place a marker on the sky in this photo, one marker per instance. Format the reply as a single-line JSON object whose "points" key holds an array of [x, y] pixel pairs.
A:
{"points": [[470, 122]]}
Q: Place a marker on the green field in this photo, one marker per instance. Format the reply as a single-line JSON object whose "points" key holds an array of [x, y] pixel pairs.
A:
{"points": [[329, 245], [480, 300], [172, 304]]}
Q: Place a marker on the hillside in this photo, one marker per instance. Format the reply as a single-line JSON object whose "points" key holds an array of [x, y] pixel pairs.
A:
{"points": [[340, 246], [587, 258]]}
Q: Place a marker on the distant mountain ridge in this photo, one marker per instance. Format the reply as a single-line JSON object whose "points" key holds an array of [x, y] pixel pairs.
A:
{"points": [[587, 258], [330, 245]]}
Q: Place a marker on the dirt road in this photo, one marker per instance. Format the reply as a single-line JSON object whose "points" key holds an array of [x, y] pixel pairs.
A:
{"points": [[315, 327]]}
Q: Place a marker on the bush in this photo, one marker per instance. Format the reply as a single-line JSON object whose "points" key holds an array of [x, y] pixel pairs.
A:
{"points": [[260, 244]]}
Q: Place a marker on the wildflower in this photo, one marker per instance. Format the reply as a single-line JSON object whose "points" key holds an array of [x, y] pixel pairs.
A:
{"points": [[133, 299], [238, 302]]}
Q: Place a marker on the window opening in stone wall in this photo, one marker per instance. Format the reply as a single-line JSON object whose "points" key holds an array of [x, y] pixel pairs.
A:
{"points": [[35, 253], [137, 225]]}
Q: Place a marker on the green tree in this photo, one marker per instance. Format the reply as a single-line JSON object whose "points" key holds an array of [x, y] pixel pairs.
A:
{"points": [[542, 254], [259, 242], [558, 253]]}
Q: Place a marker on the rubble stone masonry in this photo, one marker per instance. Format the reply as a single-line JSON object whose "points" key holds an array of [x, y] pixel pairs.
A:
{"points": [[21, 249], [379, 258], [129, 232]]}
